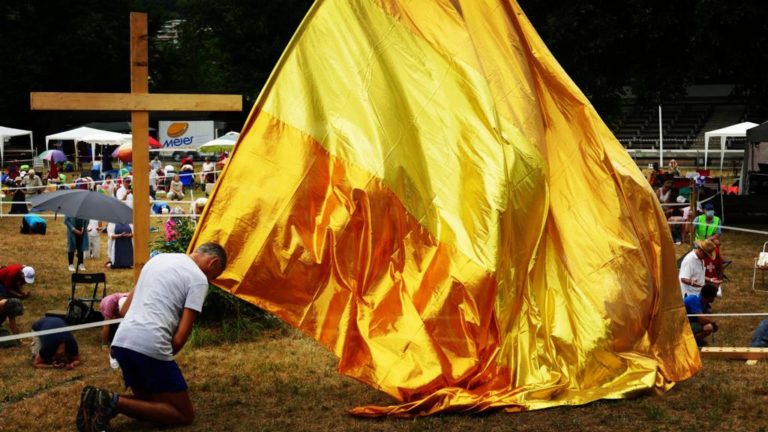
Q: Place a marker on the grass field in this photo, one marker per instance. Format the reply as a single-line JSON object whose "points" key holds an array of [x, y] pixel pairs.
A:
{"points": [[283, 381]]}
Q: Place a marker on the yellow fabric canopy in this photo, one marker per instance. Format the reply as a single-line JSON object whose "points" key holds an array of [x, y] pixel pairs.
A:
{"points": [[422, 189]]}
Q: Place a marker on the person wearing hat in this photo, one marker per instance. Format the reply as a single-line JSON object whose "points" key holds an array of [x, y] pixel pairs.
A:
{"points": [[13, 277], [10, 309], [32, 183], [692, 269], [707, 225]]}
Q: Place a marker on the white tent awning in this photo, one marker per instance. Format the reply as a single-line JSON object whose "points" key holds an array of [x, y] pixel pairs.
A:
{"points": [[91, 136], [11, 132], [105, 138], [732, 131], [71, 135]]}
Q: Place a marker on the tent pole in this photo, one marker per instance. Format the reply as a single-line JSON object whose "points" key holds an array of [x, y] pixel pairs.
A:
{"points": [[661, 142], [692, 213]]}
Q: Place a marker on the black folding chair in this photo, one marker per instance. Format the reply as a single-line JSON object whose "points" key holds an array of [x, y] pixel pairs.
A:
{"points": [[88, 289]]}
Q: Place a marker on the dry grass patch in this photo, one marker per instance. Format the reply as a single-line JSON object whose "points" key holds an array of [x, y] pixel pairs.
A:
{"points": [[283, 381]]}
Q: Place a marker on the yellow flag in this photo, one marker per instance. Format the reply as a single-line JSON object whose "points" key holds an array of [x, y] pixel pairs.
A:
{"points": [[422, 189]]}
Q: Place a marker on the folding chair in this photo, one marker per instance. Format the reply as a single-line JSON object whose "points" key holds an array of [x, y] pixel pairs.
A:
{"points": [[83, 298], [761, 265]]}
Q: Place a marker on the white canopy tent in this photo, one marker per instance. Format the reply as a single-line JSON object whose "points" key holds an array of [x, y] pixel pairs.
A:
{"points": [[71, 135], [733, 131], [221, 144], [11, 132], [91, 136]]}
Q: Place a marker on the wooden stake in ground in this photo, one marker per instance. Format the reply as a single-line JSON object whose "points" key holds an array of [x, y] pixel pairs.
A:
{"points": [[139, 102]]}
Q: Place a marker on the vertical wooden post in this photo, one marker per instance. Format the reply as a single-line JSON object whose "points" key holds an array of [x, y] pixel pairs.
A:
{"points": [[140, 130], [139, 102]]}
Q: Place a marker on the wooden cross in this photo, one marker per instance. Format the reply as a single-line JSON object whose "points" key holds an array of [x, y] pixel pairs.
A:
{"points": [[139, 102]]}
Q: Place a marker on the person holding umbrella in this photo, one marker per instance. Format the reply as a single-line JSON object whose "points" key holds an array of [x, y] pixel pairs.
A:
{"points": [[77, 241]]}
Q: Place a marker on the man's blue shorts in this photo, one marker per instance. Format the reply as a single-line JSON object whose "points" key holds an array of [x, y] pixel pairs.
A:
{"points": [[149, 375]]}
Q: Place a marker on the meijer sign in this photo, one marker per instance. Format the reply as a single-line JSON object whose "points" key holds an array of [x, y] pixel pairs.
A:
{"points": [[185, 134]]}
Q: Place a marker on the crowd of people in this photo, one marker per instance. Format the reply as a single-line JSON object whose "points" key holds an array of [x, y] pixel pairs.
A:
{"points": [[165, 181], [83, 236], [158, 316], [701, 270]]}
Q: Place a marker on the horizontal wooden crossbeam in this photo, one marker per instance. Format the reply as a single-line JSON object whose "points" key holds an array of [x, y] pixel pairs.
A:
{"points": [[134, 102], [735, 353]]}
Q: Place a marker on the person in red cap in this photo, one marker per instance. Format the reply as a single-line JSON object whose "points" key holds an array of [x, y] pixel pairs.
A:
{"points": [[13, 277]]}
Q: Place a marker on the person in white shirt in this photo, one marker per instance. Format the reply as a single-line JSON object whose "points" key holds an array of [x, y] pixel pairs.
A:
{"points": [[125, 192], [207, 174], [159, 315], [692, 272], [94, 241], [155, 164]]}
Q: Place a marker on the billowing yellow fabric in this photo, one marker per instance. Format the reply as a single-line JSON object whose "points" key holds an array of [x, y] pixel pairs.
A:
{"points": [[421, 188]]}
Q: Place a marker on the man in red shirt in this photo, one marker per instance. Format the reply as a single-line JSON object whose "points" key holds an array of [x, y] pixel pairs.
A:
{"points": [[12, 278]]}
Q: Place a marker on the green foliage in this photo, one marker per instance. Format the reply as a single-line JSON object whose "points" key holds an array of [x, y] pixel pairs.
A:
{"points": [[225, 318], [185, 229]]}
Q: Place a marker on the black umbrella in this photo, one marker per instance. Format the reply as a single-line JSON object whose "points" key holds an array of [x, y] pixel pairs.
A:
{"points": [[84, 204]]}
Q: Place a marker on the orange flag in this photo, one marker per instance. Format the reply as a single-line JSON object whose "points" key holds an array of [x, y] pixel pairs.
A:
{"points": [[422, 189]]}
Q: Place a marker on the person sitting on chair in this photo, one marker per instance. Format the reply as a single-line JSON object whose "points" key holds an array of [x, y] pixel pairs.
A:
{"points": [[176, 191], [700, 304]]}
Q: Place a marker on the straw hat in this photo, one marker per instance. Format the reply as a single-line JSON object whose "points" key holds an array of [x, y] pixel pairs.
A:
{"points": [[707, 246]]}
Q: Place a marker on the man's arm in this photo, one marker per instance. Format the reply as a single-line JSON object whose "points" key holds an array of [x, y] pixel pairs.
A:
{"points": [[40, 364], [75, 362], [691, 282], [12, 325], [17, 292], [184, 329]]}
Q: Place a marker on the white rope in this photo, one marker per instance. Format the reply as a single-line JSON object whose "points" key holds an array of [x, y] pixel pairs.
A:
{"points": [[745, 314], [194, 174], [50, 216], [60, 330]]}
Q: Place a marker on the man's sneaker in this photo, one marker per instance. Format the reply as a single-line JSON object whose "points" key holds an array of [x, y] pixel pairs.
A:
{"points": [[104, 408], [81, 267], [71, 268], [85, 409]]}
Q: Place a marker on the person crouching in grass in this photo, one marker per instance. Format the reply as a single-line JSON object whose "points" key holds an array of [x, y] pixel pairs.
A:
{"points": [[58, 350], [159, 315], [700, 304]]}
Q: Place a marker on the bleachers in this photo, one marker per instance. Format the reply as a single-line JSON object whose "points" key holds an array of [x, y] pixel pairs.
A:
{"points": [[681, 123]]}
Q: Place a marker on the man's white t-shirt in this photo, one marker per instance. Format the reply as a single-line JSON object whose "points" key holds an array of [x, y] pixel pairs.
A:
{"points": [[692, 268], [168, 283]]}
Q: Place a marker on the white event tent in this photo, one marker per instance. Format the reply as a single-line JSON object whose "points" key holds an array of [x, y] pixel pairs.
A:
{"points": [[733, 131], [91, 136], [11, 132]]}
